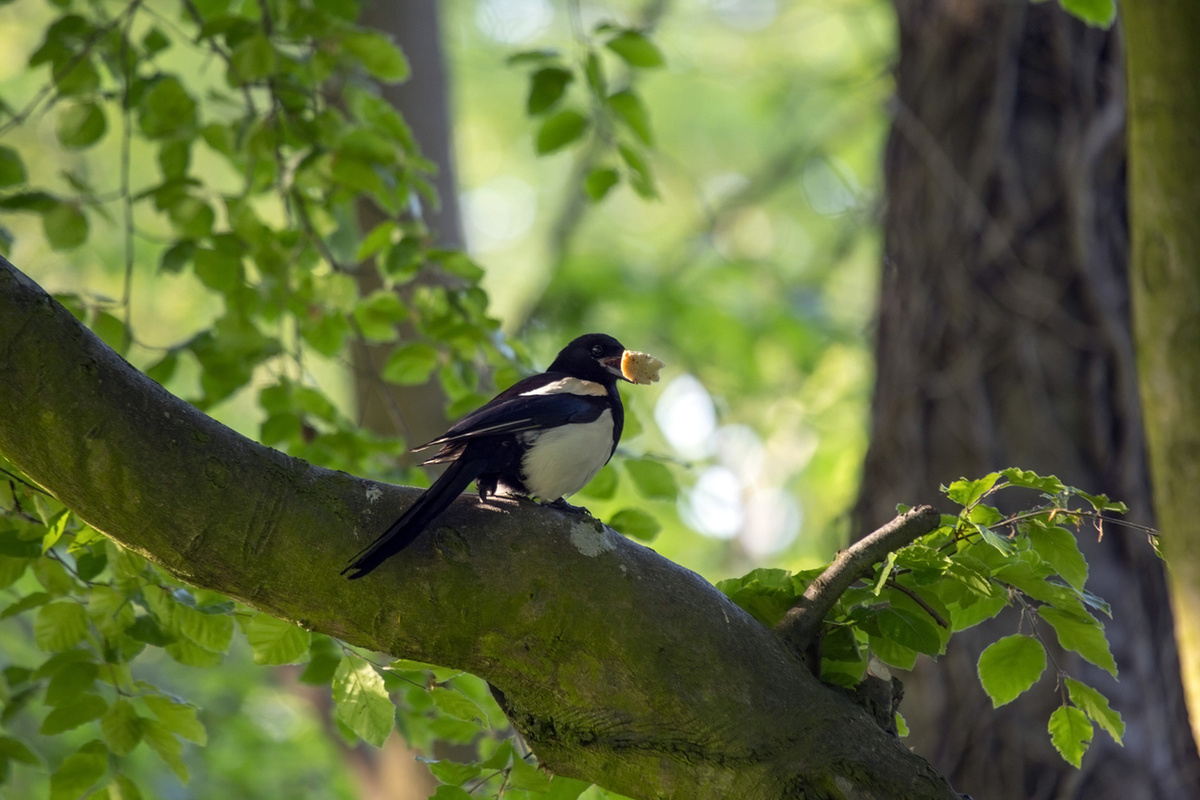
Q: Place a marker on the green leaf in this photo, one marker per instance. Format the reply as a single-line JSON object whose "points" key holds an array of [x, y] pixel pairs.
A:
{"points": [[909, 629], [59, 626], [642, 180], [218, 270], [599, 181], [70, 682], [378, 55], [81, 125], [457, 704], [1101, 502], [86, 708], [628, 106], [560, 130], [378, 314], [65, 226], [252, 60], [15, 750], [593, 70], [533, 57], [79, 772], [1083, 634], [1060, 549], [970, 615], [603, 486], [652, 478], [546, 88], [892, 652], [636, 49], [635, 523], [121, 728], [526, 776], [379, 238], [166, 109], [275, 641], [966, 493], [766, 593], [1047, 484], [411, 365], [453, 773], [178, 718], [1070, 732], [362, 701], [167, 745], [79, 79], [995, 540], [1096, 706], [1100, 13], [1010, 666], [12, 169], [447, 792]]}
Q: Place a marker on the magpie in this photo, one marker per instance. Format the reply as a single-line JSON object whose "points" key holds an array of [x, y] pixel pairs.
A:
{"points": [[545, 437]]}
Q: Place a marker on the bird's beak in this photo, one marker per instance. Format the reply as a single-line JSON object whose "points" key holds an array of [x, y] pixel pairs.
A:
{"points": [[615, 366]]}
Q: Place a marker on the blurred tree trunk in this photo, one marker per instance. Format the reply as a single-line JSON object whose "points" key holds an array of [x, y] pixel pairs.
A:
{"points": [[414, 412], [1004, 340]]}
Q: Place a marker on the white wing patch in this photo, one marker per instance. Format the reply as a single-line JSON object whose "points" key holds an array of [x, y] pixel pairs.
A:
{"points": [[569, 386], [560, 461]]}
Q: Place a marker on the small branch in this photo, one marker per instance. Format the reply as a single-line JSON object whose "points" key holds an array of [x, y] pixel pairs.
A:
{"points": [[801, 623], [916, 598]]}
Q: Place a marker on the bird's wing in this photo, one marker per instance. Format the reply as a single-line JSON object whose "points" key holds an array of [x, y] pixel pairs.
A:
{"points": [[533, 404]]}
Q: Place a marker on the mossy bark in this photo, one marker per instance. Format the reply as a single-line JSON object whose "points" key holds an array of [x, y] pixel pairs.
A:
{"points": [[618, 666], [1163, 47]]}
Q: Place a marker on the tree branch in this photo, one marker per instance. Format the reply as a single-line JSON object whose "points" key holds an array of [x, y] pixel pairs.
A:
{"points": [[617, 665], [802, 622]]}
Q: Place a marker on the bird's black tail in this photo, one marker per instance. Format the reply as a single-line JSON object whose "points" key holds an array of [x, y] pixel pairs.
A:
{"points": [[405, 530]]}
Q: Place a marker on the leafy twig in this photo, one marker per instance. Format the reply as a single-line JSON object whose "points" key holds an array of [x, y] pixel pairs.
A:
{"points": [[801, 623]]}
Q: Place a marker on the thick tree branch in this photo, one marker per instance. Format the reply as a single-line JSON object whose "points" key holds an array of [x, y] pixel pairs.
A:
{"points": [[802, 622], [617, 665]]}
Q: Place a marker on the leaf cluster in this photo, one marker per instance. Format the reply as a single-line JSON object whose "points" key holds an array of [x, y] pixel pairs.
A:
{"points": [[975, 565], [606, 115]]}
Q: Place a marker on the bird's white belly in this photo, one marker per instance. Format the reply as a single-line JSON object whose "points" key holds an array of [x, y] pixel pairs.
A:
{"points": [[561, 461]]}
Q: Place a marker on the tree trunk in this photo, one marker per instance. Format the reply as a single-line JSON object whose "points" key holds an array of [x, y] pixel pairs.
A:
{"points": [[1164, 177], [416, 412], [1004, 340]]}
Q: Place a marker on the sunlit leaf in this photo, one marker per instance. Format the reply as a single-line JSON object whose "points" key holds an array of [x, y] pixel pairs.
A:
{"points": [[362, 701], [1071, 733], [1096, 706], [1083, 634], [275, 641], [1010, 666]]}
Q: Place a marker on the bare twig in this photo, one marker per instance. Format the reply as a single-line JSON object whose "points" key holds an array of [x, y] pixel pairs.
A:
{"points": [[801, 623]]}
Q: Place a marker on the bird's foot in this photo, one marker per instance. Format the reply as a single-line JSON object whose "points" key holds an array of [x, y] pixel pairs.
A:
{"points": [[563, 505]]}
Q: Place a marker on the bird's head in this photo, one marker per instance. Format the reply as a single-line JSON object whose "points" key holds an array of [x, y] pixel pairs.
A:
{"points": [[593, 356]]}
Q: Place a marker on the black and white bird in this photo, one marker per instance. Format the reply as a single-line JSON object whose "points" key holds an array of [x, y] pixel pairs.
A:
{"points": [[545, 437]]}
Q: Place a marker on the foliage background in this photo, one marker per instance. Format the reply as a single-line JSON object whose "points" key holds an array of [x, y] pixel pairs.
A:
{"points": [[751, 272]]}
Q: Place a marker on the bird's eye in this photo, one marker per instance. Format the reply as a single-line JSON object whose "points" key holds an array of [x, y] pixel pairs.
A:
{"points": [[597, 350]]}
